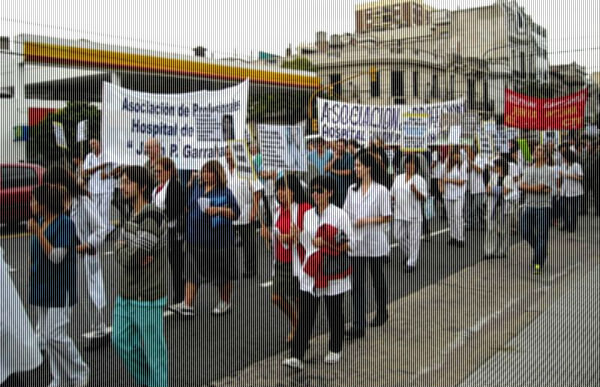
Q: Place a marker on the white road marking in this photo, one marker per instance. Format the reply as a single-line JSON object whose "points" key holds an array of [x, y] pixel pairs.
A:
{"points": [[90, 335], [109, 253], [266, 284], [443, 231]]}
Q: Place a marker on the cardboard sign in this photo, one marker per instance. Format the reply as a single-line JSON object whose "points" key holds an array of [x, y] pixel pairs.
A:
{"points": [[59, 135], [244, 166]]}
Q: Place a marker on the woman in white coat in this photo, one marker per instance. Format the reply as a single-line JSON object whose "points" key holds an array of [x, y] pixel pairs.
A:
{"points": [[20, 351], [408, 193], [454, 188], [369, 208], [91, 231], [500, 186]]}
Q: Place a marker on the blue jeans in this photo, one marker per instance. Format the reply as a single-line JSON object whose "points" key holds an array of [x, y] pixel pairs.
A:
{"points": [[535, 223]]}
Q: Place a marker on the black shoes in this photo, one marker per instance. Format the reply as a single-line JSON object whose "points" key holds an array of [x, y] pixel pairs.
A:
{"points": [[452, 242], [409, 269], [354, 333], [379, 320], [459, 244], [249, 274]]}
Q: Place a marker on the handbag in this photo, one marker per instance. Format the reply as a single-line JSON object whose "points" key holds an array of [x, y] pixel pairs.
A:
{"points": [[429, 208], [336, 264]]}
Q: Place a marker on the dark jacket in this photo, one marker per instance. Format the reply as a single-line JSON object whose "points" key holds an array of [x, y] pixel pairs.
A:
{"points": [[175, 200]]}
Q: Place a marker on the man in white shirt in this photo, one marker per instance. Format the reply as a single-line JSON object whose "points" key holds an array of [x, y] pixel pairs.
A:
{"points": [[247, 194], [475, 197], [101, 184]]}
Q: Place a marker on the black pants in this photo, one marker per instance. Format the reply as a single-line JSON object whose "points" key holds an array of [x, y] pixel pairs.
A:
{"points": [[309, 307], [434, 190], [176, 260], [247, 234], [570, 210], [359, 265], [596, 191], [12, 381]]}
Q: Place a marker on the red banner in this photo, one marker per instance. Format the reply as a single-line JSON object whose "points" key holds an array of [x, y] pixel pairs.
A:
{"points": [[564, 113]]}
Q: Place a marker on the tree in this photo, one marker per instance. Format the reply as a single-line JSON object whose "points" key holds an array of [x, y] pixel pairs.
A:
{"points": [[41, 147], [300, 64]]}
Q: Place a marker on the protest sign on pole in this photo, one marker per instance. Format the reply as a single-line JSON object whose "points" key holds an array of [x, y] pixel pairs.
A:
{"points": [[82, 131], [489, 127], [244, 166], [414, 132], [485, 143], [550, 137], [454, 135], [350, 121], [282, 147], [191, 127], [59, 135], [501, 141]]}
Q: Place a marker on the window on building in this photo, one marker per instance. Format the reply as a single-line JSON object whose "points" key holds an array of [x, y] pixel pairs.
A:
{"points": [[523, 66], [415, 83], [452, 82], [334, 78], [434, 86], [397, 82], [471, 93], [375, 86]]}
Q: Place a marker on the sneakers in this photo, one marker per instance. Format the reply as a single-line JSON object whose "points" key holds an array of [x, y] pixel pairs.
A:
{"points": [[221, 308], [332, 357], [182, 309], [537, 269], [293, 362]]}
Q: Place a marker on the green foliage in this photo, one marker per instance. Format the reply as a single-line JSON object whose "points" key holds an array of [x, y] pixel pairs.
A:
{"points": [[300, 64], [41, 147], [536, 89], [284, 107]]}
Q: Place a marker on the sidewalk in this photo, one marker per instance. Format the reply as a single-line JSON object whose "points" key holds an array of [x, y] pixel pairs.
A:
{"points": [[475, 327]]}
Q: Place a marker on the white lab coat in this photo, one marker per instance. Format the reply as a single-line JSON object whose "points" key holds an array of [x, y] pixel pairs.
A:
{"points": [[20, 351]]}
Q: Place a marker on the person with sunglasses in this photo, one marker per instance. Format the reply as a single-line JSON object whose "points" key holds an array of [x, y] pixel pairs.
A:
{"points": [[327, 237]]}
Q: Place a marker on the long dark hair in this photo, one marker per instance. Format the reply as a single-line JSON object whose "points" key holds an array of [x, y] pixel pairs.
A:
{"points": [[295, 186], [451, 162], [370, 161], [412, 158], [64, 177], [51, 197]]}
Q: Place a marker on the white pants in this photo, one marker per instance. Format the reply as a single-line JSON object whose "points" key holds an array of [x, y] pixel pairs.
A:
{"points": [[66, 364], [408, 235], [102, 203], [95, 290], [456, 223]]}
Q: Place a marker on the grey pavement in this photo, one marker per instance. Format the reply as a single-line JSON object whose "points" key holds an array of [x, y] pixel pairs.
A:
{"points": [[442, 334], [560, 348]]}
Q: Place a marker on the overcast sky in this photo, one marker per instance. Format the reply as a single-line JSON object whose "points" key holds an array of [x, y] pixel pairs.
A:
{"points": [[242, 27]]}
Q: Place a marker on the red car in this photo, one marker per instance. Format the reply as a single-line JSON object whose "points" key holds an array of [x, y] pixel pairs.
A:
{"points": [[17, 180]]}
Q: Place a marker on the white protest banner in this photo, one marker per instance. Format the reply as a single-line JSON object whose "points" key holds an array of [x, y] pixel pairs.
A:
{"points": [[454, 135], [485, 143], [501, 141], [282, 147], [191, 127], [550, 137], [511, 133], [82, 131], [243, 161], [414, 130], [350, 121], [59, 135], [489, 127]]}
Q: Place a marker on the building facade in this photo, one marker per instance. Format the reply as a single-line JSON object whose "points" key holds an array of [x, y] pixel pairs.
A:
{"points": [[391, 14], [471, 53]]}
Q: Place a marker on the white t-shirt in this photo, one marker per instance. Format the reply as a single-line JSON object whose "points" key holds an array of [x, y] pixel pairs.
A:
{"points": [[556, 175], [476, 178], [371, 240], [243, 191], [515, 171], [571, 187], [406, 205], [455, 191], [336, 217], [160, 198], [96, 184]]}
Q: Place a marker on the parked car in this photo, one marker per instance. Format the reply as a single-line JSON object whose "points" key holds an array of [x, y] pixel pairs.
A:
{"points": [[17, 180]]}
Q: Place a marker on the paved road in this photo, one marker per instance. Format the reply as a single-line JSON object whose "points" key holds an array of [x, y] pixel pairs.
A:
{"points": [[206, 348]]}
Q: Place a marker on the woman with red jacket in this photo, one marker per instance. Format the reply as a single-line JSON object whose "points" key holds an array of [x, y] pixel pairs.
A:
{"points": [[327, 237], [289, 253]]}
